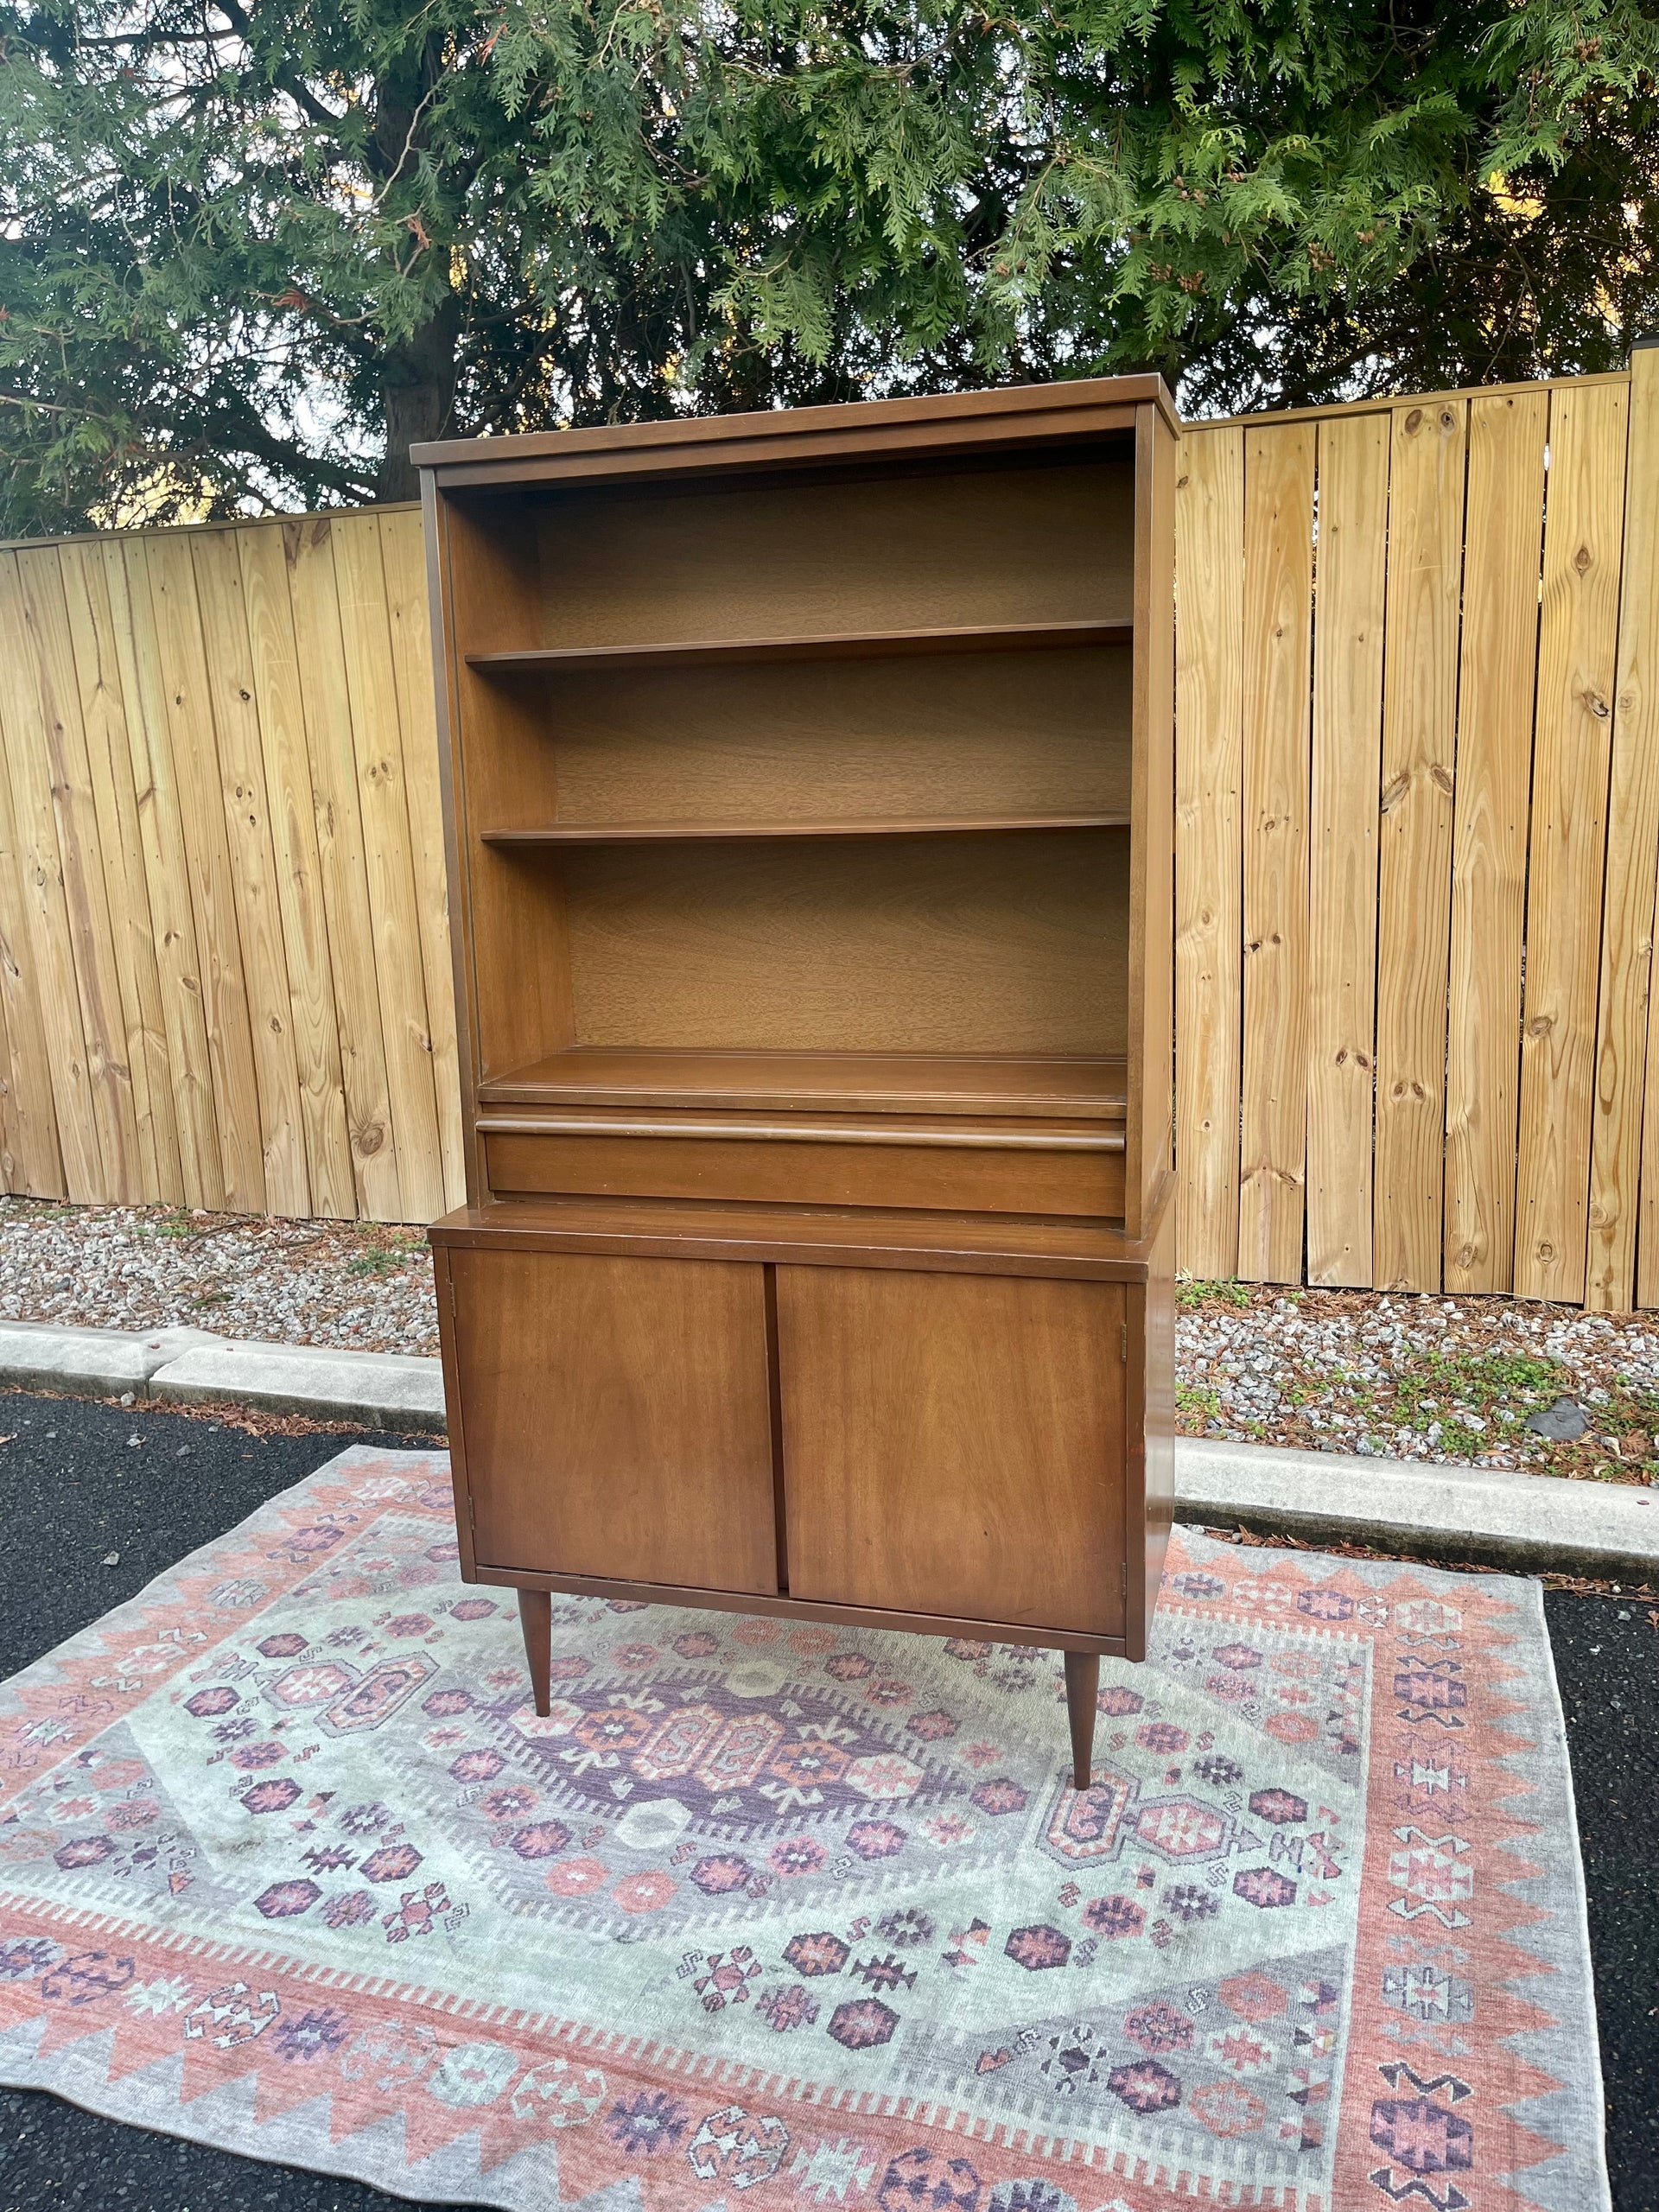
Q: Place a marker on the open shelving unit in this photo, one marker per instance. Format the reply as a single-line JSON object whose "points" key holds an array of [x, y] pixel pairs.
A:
{"points": [[810, 805]]}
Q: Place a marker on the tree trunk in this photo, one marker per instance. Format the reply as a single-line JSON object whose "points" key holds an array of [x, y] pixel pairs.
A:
{"points": [[417, 386]]}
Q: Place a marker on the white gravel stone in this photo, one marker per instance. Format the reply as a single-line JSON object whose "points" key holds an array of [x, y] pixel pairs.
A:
{"points": [[299, 1282]]}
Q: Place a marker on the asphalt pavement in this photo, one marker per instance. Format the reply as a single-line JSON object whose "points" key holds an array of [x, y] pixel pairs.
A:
{"points": [[80, 1482]]}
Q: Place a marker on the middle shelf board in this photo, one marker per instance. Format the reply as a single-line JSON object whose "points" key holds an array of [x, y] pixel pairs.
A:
{"points": [[844, 644], [904, 825]]}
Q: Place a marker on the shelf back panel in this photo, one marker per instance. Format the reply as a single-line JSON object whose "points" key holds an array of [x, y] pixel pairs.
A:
{"points": [[1015, 944], [762, 558], [1010, 734]]}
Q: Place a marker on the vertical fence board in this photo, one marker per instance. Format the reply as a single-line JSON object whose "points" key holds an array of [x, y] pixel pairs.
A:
{"points": [[1350, 579], [326, 695], [188, 710], [1425, 489], [402, 550], [1208, 888], [47, 910], [1622, 1092], [92, 937], [167, 871], [1571, 758], [1638, 700], [104, 715], [28, 1117], [290, 807], [1504, 539], [253, 866], [64, 756], [11, 1177], [1278, 466], [367, 630]]}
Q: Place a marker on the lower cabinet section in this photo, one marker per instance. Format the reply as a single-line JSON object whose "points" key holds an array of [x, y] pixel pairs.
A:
{"points": [[615, 1416], [922, 1443], [954, 1444]]}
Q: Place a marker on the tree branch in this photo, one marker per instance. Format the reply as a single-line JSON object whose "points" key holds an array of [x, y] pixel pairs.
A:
{"points": [[283, 75]]}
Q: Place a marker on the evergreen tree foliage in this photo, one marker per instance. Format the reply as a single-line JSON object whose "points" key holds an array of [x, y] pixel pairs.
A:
{"points": [[250, 251]]}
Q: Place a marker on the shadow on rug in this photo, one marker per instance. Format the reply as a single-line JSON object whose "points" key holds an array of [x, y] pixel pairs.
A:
{"points": [[775, 1914]]}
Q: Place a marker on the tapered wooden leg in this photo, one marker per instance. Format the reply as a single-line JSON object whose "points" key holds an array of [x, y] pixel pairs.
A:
{"points": [[1082, 1689], [536, 1619]]}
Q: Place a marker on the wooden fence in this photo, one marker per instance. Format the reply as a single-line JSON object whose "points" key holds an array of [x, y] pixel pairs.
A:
{"points": [[224, 948], [1416, 829], [1417, 826]]}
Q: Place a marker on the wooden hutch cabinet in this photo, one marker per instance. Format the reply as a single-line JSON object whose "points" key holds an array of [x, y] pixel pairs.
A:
{"points": [[810, 794]]}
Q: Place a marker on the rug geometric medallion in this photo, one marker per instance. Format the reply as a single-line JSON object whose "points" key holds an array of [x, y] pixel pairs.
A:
{"points": [[772, 1915]]}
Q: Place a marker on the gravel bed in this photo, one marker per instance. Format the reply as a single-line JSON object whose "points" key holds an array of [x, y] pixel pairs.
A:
{"points": [[366, 1288], [1454, 1380]]}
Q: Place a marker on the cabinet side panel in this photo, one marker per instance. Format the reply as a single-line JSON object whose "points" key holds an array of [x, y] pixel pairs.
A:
{"points": [[515, 979], [443, 1288], [617, 1418], [1152, 879], [953, 1445], [1149, 1456], [434, 527]]}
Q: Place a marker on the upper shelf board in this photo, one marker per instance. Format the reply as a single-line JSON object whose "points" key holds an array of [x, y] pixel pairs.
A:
{"points": [[850, 644]]}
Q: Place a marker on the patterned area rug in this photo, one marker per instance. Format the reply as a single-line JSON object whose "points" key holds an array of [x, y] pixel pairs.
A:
{"points": [[768, 1913]]}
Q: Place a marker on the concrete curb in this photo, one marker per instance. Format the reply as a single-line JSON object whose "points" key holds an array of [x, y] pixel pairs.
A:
{"points": [[89, 1363], [377, 1389], [369, 1389], [1528, 1523]]}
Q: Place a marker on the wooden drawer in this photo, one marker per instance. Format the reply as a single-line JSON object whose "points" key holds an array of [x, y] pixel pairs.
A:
{"points": [[955, 1444], [612, 1416], [1051, 1169]]}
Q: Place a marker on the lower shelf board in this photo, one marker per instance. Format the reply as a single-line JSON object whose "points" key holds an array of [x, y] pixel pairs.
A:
{"points": [[803, 1609], [1059, 1085]]}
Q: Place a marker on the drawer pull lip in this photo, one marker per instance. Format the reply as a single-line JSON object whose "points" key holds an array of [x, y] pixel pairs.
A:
{"points": [[806, 1133]]}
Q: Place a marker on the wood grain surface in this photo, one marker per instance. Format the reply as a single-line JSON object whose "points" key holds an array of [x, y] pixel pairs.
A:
{"points": [[1279, 473], [1572, 766], [991, 546], [954, 734], [617, 1416], [1503, 545], [1014, 944], [1428, 451], [1353, 488], [1208, 914], [1614, 1239], [954, 1444]]}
